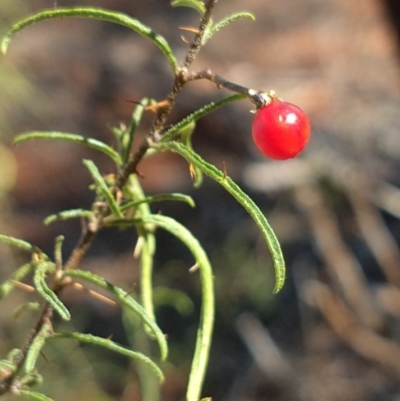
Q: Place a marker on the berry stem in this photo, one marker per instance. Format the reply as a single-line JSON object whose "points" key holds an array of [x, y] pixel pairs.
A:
{"points": [[259, 98]]}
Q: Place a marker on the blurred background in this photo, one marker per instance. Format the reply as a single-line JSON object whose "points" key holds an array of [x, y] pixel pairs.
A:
{"points": [[333, 332]]}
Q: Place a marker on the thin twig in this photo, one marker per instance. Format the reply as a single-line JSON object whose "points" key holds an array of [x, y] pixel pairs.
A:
{"points": [[198, 39], [19, 361], [163, 113]]}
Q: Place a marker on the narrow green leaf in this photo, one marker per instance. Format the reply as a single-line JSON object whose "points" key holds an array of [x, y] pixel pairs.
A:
{"points": [[135, 192], [103, 187], [112, 346], [99, 14], [176, 197], [242, 198], [204, 333], [126, 300], [36, 347], [186, 134], [33, 395], [178, 128], [127, 135], [79, 139], [68, 214], [58, 243], [43, 289], [228, 20], [149, 384], [19, 243], [195, 4], [146, 269], [18, 275]]}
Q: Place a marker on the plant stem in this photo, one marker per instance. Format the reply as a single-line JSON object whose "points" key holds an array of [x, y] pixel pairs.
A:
{"points": [[163, 113], [259, 98], [198, 39], [80, 249], [45, 316]]}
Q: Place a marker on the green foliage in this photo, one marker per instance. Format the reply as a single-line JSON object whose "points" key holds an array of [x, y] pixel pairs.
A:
{"points": [[93, 143], [44, 290], [21, 244], [112, 346], [95, 13], [120, 202], [195, 4], [18, 275], [33, 395], [126, 300], [241, 197]]}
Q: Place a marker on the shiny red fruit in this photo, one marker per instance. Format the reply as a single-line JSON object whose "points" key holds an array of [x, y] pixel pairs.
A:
{"points": [[281, 130]]}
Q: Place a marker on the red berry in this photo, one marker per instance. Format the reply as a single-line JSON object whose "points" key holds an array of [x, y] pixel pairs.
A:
{"points": [[281, 130]]}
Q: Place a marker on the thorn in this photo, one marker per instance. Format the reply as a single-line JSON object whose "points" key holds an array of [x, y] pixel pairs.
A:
{"points": [[224, 170], [23, 286], [194, 268], [192, 171], [189, 29], [94, 294], [159, 105], [134, 102], [138, 247], [44, 356], [131, 291], [119, 197], [184, 40]]}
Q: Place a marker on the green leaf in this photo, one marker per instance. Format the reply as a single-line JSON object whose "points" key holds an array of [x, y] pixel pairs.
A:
{"points": [[99, 14], [36, 347], [195, 4], [146, 269], [18, 275], [242, 198], [126, 300], [186, 136], [127, 135], [146, 235], [176, 197], [43, 289], [19, 243], [33, 395], [103, 187], [226, 21], [204, 333], [63, 136], [112, 346], [68, 214], [58, 243], [179, 128]]}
